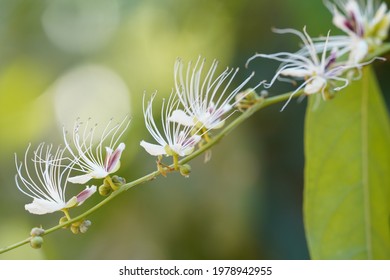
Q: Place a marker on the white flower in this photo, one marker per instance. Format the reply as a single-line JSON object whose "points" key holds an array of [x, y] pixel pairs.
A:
{"points": [[206, 99], [365, 22], [90, 159], [48, 185], [319, 69], [175, 139]]}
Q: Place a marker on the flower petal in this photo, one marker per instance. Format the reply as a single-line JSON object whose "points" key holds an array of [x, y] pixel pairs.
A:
{"points": [[42, 206], [315, 85], [81, 179], [294, 72], [113, 161], [154, 150], [341, 22], [71, 202], [179, 116], [85, 194], [109, 152]]}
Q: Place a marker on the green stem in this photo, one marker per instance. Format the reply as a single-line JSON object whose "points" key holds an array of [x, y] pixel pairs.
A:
{"points": [[243, 117], [66, 212], [175, 161], [14, 246], [205, 135]]}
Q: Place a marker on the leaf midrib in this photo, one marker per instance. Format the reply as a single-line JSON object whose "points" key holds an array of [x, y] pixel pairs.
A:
{"points": [[365, 159]]}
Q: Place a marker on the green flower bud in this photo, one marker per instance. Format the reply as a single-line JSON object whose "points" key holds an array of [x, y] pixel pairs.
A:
{"points": [[248, 98], [36, 242], [105, 190], [264, 93], [185, 170], [37, 231], [75, 229], [118, 181]]}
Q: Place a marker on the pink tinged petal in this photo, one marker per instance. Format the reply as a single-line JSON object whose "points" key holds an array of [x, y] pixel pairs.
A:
{"points": [[356, 18], [340, 21], [315, 85], [179, 116], [109, 152], [81, 179], [331, 59], [113, 158], [42, 206], [85, 194], [221, 111], [188, 145], [154, 150], [299, 73], [353, 10]]}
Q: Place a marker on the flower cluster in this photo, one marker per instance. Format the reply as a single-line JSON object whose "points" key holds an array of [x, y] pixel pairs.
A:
{"points": [[366, 24], [47, 185], [199, 103], [327, 64]]}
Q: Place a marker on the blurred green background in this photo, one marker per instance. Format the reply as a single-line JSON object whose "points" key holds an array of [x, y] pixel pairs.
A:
{"points": [[63, 59]]}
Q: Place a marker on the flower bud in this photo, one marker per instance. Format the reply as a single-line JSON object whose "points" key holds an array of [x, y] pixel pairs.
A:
{"points": [[185, 170], [37, 231], [105, 190], [248, 98], [74, 229], [264, 93], [36, 242], [118, 181], [85, 225]]}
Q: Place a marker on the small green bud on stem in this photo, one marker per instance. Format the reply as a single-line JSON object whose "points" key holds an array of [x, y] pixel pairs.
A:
{"points": [[111, 184], [74, 229], [105, 190], [118, 181], [36, 239], [248, 98], [37, 231], [36, 242], [185, 170], [80, 226]]}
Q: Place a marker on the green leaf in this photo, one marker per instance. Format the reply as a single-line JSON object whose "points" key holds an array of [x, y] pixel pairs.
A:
{"points": [[347, 174]]}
